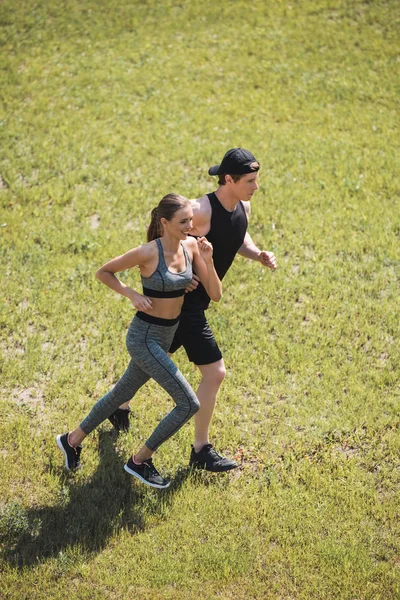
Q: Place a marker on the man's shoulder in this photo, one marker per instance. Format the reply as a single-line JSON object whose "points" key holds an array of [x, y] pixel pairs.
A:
{"points": [[201, 205], [201, 214], [247, 207]]}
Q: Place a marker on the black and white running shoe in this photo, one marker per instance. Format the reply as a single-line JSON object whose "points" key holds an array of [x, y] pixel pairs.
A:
{"points": [[120, 419], [209, 460], [146, 473], [72, 455]]}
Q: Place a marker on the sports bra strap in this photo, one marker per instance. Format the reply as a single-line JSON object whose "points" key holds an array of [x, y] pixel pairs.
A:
{"points": [[186, 254], [160, 253]]}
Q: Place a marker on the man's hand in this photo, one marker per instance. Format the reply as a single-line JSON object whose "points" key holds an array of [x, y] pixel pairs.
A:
{"points": [[267, 259], [193, 284]]}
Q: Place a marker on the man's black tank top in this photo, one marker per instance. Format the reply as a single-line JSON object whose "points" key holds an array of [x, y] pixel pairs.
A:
{"points": [[227, 231]]}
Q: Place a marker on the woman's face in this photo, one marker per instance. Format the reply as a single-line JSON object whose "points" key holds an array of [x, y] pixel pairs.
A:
{"points": [[180, 224]]}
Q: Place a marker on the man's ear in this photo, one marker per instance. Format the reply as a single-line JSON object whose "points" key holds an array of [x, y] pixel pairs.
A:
{"points": [[228, 179]]}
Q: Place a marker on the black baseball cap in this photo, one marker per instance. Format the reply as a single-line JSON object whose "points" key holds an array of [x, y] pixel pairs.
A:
{"points": [[236, 161]]}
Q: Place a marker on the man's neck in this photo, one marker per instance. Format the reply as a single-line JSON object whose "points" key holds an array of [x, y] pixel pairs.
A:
{"points": [[228, 201]]}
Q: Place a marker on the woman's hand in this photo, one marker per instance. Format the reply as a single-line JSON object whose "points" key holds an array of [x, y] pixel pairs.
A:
{"points": [[203, 265], [205, 249], [139, 301]]}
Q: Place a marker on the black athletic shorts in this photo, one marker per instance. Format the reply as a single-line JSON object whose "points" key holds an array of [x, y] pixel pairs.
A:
{"points": [[195, 335]]}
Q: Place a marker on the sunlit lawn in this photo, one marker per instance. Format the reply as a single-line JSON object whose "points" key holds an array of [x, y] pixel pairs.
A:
{"points": [[107, 106]]}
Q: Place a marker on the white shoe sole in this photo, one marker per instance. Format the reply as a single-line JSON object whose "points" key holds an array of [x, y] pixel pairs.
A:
{"points": [[154, 485]]}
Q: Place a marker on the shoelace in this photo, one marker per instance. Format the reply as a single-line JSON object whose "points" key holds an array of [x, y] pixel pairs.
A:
{"points": [[151, 467], [215, 454], [78, 451]]}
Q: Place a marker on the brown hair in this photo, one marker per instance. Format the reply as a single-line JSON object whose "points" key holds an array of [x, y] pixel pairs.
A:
{"points": [[221, 178], [166, 209]]}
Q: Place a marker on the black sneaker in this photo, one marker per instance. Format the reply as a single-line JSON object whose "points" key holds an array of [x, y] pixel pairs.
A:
{"points": [[72, 455], [146, 473], [120, 419], [209, 460]]}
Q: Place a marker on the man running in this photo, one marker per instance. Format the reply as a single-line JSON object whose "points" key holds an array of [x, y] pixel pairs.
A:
{"points": [[221, 217]]}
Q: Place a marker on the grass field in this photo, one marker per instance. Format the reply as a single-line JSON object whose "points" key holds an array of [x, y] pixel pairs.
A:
{"points": [[107, 106]]}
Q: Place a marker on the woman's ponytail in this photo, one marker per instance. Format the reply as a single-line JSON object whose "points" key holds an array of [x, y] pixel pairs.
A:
{"points": [[154, 230]]}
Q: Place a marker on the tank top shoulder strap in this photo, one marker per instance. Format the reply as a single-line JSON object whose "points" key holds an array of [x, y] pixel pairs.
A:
{"points": [[212, 198], [242, 209]]}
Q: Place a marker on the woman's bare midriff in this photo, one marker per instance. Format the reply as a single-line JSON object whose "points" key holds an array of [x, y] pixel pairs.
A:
{"points": [[165, 308]]}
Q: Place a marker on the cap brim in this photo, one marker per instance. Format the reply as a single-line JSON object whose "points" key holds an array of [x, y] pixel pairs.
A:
{"points": [[213, 170]]}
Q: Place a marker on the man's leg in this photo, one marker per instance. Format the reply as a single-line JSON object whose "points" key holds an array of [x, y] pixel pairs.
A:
{"points": [[196, 336], [204, 456], [212, 377]]}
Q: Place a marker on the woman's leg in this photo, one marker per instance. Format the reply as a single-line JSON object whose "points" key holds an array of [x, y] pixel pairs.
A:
{"points": [[156, 361], [164, 371], [124, 390]]}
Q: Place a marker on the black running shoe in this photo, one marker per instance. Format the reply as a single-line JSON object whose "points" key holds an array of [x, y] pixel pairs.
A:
{"points": [[146, 473], [72, 455], [209, 460], [120, 419]]}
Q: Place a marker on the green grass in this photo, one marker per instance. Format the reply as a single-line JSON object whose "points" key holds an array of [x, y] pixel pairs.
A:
{"points": [[106, 106]]}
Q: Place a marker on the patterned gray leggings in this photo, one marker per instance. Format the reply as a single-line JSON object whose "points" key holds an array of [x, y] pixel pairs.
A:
{"points": [[148, 342]]}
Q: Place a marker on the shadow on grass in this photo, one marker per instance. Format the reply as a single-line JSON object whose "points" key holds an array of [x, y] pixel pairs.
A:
{"points": [[88, 514]]}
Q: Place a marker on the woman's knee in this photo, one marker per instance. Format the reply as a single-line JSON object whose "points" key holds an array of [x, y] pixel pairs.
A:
{"points": [[194, 406], [187, 406]]}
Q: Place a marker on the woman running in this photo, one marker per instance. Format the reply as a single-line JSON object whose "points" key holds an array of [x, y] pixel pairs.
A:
{"points": [[165, 264]]}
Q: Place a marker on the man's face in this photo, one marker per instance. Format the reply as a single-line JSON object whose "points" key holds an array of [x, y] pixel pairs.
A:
{"points": [[245, 187]]}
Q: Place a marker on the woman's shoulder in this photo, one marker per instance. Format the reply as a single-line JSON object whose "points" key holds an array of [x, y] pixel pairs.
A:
{"points": [[190, 243], [148, 250]]}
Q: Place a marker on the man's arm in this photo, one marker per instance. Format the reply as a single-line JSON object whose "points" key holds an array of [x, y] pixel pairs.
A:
{"points": [[201, 216], [249, 250], [200, 227]]}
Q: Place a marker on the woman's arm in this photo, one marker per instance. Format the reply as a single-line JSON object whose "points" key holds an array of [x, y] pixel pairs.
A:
{"points": [[133, 258], [204, 266]]}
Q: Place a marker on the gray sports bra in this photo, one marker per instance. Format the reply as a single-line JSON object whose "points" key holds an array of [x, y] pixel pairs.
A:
{"points": [[162, 283]]}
